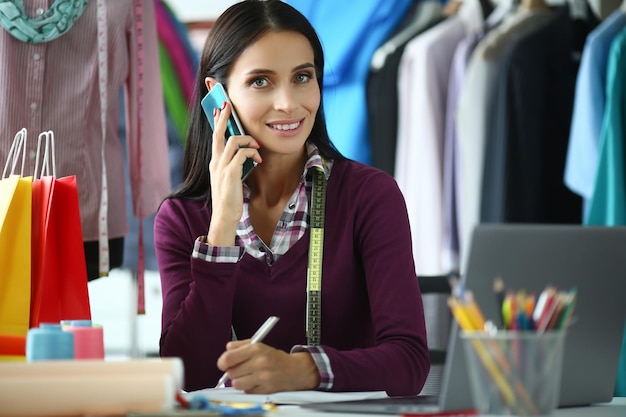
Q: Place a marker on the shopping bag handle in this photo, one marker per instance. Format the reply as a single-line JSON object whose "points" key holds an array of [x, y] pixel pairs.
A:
{"points": [[13, 157], [48, 155]]}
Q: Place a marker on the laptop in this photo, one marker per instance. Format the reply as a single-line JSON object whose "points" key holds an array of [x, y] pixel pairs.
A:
{"points": [[592, 259], [530, 257]]}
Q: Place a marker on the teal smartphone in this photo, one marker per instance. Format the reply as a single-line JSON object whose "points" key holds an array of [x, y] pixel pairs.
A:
{"points": [[215, 99]]}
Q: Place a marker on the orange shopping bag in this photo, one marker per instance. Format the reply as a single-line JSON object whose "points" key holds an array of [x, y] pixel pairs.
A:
{"points": [[15, 235], [59, 273]]}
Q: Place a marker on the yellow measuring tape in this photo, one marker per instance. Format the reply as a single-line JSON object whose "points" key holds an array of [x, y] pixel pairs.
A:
{"points": [[316, 249]]}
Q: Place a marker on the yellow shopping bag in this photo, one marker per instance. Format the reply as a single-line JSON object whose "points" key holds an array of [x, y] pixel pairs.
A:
{"points": [[15, 236]]}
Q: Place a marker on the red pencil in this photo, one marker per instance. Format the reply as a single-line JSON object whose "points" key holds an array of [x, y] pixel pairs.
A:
{"points": [[450, 413]]}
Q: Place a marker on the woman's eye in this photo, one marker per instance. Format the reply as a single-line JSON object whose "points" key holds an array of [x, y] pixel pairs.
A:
{"points": [[303, 77], [259, 82]]}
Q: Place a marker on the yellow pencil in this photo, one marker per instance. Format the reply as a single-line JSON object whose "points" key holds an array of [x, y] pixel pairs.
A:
{"points": [[473, 311], [465, 323]]}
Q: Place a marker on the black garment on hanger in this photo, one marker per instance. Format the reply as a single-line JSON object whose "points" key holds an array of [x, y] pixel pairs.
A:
{"points": [[527, 138], [487, 7], [382, 100], [92, 256]]}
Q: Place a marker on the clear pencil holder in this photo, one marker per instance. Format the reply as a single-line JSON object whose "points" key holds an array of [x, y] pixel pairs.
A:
{"points": [[515, 372]]}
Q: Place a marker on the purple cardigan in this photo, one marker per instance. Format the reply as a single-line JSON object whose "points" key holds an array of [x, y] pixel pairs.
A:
{"points": [[372, 326]]}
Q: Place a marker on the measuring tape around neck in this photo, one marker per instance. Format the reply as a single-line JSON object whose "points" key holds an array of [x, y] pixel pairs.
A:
{"points": [[316, 249]]}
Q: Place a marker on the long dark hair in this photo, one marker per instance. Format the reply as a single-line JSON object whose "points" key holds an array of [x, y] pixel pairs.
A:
{"points": [[235, 30]]}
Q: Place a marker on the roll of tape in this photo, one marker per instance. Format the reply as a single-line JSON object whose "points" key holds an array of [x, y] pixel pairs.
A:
{"points": [[80, 323], [49, 342], [88, 342]]}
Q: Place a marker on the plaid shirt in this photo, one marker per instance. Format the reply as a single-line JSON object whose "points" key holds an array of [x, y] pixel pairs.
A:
{"points": [[290, 228]]}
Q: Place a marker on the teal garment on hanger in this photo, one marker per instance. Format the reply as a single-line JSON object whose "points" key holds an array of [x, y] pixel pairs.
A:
{"points": [[608, 202], [350, 35]]}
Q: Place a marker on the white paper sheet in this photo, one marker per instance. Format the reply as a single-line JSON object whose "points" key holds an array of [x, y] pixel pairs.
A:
{"points": [[288, 397]]}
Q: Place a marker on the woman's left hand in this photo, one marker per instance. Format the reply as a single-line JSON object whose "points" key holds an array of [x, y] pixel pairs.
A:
{"points": [[260, 369]]}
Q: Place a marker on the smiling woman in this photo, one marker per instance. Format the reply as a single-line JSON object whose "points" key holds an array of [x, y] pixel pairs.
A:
{"points": [[306, 237], [275, 87]]}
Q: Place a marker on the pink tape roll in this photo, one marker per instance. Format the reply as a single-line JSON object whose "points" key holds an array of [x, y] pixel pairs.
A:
{"points": [[88, 342]]}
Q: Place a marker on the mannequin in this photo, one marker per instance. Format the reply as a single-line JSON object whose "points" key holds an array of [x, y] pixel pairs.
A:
{"points": [[56, 80]]}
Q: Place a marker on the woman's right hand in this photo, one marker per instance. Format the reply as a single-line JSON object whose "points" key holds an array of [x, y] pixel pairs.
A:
{"points": [[226, 168]]}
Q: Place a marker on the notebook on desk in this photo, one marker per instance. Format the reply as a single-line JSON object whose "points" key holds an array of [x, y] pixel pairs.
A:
{"points": [[592, 259], [455, 393]]}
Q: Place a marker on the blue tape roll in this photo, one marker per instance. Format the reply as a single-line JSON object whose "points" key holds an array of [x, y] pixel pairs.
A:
{"points": [[80, 323], [49, 342]]}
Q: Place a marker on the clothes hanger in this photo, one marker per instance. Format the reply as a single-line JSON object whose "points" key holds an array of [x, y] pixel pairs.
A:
{"points": [[533, 5], [502, 8], [426, 11]]}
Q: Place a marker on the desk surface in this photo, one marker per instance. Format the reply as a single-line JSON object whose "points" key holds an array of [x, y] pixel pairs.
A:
{"points": [[616, 408]]}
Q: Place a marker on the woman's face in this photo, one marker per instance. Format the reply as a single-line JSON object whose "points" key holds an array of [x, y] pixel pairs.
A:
{"points": [[275, 92]]}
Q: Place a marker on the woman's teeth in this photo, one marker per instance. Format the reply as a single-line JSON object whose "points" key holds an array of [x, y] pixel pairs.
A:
{"points": [[290, 126]]}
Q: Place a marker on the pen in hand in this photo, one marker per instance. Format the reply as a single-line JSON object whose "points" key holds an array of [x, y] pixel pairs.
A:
{"points": [[256, 337]]}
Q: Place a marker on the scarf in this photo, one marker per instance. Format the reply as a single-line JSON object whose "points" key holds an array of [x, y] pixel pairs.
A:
{"points": [[56, 21]]}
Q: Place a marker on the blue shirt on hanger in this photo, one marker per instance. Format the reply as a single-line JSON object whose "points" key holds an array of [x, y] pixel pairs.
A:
{"points": [[589, 101], [350, 33]]}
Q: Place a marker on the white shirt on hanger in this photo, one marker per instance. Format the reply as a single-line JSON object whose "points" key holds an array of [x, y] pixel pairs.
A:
{"points": [[422, 91]]}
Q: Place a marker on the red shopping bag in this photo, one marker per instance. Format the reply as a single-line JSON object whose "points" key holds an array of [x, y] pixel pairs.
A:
{"points": [[59, 273], [40, 204]]}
